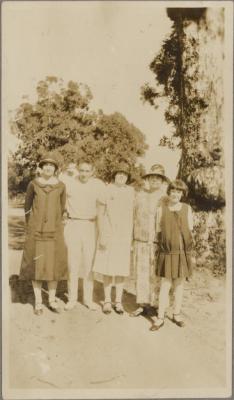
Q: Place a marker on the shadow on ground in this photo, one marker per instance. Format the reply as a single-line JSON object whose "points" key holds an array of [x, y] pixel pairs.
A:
{"points": [[22, 292]]}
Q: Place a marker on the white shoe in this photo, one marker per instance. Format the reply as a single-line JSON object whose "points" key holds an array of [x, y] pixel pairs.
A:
{"points": [[91, 305], [70, 305], [53, 306]]}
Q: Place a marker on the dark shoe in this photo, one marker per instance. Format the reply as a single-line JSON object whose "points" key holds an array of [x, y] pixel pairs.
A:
{"points": [[179, 323], [91, 305], [107, 308], [38, 310], [118, 308], [139, 311], [53, 306], [156, 326]]}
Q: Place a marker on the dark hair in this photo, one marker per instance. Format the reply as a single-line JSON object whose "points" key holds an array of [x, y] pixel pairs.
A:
{"points": [[123, 172], [157, 176], [178, 184], [85, 161]]}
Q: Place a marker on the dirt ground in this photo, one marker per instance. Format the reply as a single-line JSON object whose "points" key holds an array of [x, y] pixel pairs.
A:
{"points": [[86, 349]]}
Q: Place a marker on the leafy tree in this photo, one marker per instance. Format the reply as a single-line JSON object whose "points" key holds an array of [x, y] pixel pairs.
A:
{"points": [[169, 142], [188, 73], [60, 121], [116, 140], [182, 77]]}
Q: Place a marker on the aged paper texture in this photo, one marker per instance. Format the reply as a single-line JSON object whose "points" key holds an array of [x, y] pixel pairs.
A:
{"points": [[141, 83]]}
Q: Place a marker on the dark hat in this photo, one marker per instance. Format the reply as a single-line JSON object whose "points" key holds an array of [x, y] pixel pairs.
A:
{"points": [[49, 158], [122, 167], [158, 170]]}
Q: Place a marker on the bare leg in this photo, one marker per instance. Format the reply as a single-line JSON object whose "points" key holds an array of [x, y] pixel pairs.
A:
{"points": [[178, 291], [163, 303], [163, 296]]}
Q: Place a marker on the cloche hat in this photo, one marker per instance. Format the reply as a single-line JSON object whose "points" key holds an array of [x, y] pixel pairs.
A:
{"points": [[122, 167], [49, 158], [158, 170]]}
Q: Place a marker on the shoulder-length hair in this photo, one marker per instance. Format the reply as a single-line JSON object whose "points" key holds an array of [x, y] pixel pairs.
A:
{"points": [[178, 184]]}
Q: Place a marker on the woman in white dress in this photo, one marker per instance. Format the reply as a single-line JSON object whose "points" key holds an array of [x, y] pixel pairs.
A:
{"points": [[113, 260]]}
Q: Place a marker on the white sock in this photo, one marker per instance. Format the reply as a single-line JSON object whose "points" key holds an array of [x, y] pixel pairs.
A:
{"points": [[37, 291]]}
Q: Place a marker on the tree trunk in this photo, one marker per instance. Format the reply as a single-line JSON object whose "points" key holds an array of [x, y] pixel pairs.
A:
{"points": [[202, 102]]}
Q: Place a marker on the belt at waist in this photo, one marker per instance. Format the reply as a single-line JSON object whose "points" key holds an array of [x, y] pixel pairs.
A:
{"points": [[171, 253], [82, 219], [145, 241]]}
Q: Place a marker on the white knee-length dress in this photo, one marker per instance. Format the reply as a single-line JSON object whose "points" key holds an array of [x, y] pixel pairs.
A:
{"points": [[118, 227]]}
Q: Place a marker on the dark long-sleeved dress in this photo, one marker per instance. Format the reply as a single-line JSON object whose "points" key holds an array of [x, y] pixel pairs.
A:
{"points": [[45, 252]]}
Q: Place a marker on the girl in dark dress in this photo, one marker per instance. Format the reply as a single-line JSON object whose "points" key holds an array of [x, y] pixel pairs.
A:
{"points": [[174, 265], [45, 253]]}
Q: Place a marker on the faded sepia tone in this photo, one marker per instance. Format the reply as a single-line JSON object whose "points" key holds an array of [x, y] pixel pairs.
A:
{"points": [[117, 51]]}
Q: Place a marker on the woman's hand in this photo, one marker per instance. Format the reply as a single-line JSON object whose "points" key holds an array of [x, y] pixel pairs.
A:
{"points": [[102, 243], [65, 214], [65, 217]]}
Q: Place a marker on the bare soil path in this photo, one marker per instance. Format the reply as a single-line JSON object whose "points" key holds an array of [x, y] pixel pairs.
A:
{"points": [[84, 349]]}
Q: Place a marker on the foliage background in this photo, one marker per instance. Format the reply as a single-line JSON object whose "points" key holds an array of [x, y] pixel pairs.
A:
{"points": [[188, 71], [61, 122]]}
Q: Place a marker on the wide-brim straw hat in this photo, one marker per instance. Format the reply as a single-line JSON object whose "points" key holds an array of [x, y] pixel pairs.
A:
{"points": [[157, 170], [49, 159]]}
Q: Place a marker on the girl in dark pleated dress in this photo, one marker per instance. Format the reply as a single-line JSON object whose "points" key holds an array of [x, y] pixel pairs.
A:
{"points": [[45, 253], [174, 264]]}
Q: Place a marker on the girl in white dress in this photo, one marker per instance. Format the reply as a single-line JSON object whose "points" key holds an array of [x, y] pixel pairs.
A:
{"points": [[113, 260]]}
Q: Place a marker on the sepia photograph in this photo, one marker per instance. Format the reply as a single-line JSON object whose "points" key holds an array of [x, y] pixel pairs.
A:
{"points": [[117, 173]]}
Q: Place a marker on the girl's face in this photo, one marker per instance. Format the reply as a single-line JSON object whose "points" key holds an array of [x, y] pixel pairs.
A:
{"points": [[48, 170], [175, 195], [155, 182], [121, 178]]}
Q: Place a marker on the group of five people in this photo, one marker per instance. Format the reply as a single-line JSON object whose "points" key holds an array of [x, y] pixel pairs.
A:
{"points": [[79, 227]]}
